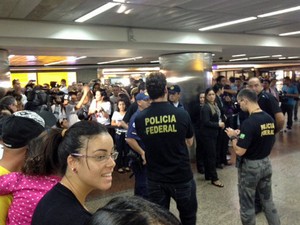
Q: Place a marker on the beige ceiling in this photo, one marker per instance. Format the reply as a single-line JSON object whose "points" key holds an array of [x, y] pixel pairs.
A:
{"points": [[45, 28]]}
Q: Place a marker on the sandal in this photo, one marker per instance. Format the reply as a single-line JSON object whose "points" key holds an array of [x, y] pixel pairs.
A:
{"points": [[217, 183]]}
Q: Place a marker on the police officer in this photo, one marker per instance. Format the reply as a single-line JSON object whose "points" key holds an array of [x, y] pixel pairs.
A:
{"points": [[254, 142], [268, 103], [166, 132]]}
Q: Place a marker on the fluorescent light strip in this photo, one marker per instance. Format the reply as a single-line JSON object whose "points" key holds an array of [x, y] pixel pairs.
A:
{"points": [[228, 23], [276, 56], [120, 60], [236, 66], [282, 58], [239, 59], [293, 57], [67, 60], [280, 12], [121, 9], [240, 55], [109, 73], [260, 57], [290, 33], [119, 1], [154, 61], [97, 11]]}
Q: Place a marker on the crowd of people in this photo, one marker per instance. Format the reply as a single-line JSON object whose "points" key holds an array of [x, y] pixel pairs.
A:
{"points": [[62, 142]]}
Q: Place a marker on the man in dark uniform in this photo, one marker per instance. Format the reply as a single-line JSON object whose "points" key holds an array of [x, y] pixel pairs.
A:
{"points": [[254, 143], [137, 158], [268, 103], [174, 96], [166, 132]]}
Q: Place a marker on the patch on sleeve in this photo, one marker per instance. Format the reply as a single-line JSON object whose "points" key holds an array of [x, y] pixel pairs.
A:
{"points": [[242, 136]]}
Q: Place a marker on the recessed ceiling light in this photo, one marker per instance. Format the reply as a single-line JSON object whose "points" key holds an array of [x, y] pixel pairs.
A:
{"points": [[128, 11], [69, 59], [290, 33], [280, 11], [120, 60], [96, 12], [122, 9], [239, 59], [228, 23], [236, 66], [260, 57], [240, 55]]}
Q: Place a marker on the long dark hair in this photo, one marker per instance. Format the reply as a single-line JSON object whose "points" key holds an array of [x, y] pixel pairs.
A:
{"points": [[49, 152], [74, 140]]}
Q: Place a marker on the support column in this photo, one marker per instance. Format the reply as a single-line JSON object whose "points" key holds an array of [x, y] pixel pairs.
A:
{"points": [[191, 71], [4, 69]]}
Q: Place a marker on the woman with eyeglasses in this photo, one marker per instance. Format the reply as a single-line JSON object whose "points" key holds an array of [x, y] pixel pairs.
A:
{"points": [[86, 163]]}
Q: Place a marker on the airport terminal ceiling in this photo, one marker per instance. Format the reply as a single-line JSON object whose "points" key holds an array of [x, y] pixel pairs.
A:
{"points": [[41, 32]]}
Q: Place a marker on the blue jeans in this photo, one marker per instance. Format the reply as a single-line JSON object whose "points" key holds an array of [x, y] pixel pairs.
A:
{"points": [[184, 195]]}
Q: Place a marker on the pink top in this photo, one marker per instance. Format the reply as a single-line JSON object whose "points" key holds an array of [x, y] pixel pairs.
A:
{"points": [[27, 192]]}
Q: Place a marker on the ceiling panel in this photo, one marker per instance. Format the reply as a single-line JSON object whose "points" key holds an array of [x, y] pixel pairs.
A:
{"points": [[178, 15]]}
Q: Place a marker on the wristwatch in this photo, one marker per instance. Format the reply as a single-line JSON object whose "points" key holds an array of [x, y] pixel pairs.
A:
{"points": [[233, 138]]}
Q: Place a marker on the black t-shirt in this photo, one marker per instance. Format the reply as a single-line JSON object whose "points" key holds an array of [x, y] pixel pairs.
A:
{"points": [[130, 111], [163, 128], [60, 207], [268, 103], [257, 135]]}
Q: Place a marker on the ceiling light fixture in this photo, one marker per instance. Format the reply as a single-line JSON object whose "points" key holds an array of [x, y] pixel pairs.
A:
{"points": [[69, 59], [128, 11], [280, 12], [260, 57], [282, 58], [121, 9], [228, 23], [293, 57], [240, 55], [97, 11], [237, 66], [290, 33], [276, 56], [120, 60], [239, 59]]}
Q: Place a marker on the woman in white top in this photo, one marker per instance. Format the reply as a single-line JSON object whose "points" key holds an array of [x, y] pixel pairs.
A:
{"points": [[122, 148], [100, 108]]}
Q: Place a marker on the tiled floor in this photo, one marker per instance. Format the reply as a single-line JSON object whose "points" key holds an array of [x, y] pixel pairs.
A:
{"points": [[219, 206]]}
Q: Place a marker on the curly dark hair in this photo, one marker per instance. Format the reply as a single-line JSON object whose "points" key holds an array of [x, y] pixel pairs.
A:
{"points": [[155, 84]]}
